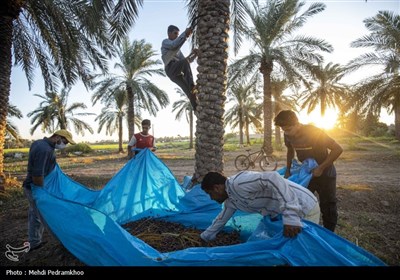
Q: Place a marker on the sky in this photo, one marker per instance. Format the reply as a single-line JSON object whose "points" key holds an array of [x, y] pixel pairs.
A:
{"points": [[339, 24]]}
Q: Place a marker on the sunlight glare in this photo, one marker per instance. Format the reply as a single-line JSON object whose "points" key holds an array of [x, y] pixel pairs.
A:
{"points": [[328, 121]]}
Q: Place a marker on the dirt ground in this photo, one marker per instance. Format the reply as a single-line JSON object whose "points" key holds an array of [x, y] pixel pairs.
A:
{"points": [[368, 202]]}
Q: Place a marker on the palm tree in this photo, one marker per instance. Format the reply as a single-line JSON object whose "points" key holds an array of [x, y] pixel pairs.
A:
{"points": [[112, 116], [11, 129], [383, 89], [328, 91], [54, 113], [276, 50], [63, 38], [183, 106], [136, 65], [281, 102], [212, 19], [245, 111]]}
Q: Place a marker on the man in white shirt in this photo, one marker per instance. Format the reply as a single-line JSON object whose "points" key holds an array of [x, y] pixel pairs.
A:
{"points": [[267, 193]]}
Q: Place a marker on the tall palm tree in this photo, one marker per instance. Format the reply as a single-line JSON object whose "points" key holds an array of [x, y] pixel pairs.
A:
{"points": [[183, 107], [245, 111], [325, 88], [136, 66], [54, 113], [383, 89], [276, 50], [112, 116], [212, 19], [64, 38]]}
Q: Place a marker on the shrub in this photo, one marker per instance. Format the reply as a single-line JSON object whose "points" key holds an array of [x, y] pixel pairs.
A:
{"points": [[80, 147]]}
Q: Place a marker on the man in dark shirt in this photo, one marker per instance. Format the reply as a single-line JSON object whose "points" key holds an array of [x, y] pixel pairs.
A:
{"points": [[309, 141], [41, 162]]}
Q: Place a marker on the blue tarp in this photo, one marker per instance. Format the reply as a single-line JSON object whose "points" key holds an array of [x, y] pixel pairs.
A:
{"points": [[88, 223], [300, 172]]}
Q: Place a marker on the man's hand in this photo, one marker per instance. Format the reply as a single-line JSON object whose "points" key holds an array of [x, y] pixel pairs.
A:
{"points": [[188, 32], [203, 243], [192, 56], [291, 231], [287, 173], [38, 181], [316, 172], [195, 52]]}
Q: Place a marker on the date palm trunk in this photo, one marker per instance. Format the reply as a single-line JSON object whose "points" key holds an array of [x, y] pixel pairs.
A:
{"points": [[120, 130], [247, 133], [191, 130], [9, 10], [266, 70], [241, 127], [212, 31], [278, 140], [397, 121], [131, 112]]}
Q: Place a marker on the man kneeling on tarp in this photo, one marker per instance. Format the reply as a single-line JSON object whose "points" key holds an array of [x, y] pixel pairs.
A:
{"points": [[266, 193]]}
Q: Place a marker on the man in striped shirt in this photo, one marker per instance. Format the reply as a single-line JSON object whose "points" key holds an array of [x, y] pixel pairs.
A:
{"points": [[266, 193]]}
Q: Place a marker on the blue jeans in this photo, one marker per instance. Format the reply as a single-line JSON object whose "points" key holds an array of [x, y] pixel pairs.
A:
{"points": [[35, 224]]}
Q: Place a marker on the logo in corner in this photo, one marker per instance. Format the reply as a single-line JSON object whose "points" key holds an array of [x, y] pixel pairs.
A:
{"points": [[12, 252]]}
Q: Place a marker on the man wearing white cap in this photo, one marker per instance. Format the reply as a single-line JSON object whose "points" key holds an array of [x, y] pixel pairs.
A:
{"points": [[41, 162]]}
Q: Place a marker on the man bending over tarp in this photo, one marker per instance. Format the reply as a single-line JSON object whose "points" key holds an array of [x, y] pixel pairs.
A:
{"points": [[266, 193]]}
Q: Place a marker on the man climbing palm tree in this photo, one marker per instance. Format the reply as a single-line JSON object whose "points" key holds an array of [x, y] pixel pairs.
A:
{"points": [[177, 66]]}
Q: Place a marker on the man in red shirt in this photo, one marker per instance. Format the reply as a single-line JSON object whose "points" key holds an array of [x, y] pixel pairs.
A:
{"points": [[141, 140]]}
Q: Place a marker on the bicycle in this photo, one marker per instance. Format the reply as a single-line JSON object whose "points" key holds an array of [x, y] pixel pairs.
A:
{"points": [[266, 162]]}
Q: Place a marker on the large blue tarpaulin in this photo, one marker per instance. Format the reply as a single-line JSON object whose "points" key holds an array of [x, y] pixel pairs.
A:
{"points": [[89, 224]]}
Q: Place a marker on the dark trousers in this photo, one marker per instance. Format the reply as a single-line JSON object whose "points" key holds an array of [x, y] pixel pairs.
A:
{"points": [[180, 73], [325, 186]]}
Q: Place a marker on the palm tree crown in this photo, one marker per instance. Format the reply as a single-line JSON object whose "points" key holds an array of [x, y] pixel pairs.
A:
{"points": [[66, 39], [383, 89], [136, 66], [245, 112], [11, 129], [112, 115], [53, 113], [326, 91]]}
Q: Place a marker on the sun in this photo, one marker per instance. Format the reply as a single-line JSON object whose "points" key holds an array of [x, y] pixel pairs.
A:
{"points": [[328, 121]]}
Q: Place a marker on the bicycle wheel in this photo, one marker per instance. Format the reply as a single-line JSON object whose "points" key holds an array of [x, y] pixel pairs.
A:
{"points": [[268, 163], [242, 162]]}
